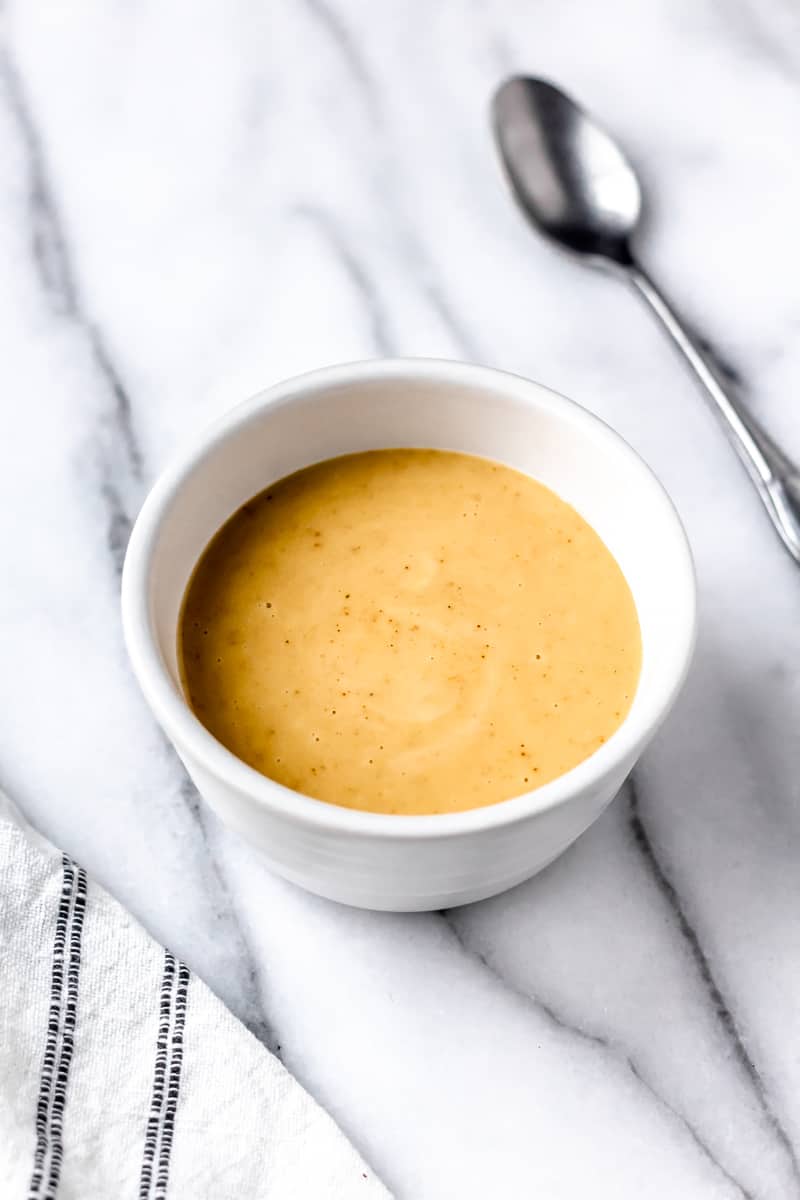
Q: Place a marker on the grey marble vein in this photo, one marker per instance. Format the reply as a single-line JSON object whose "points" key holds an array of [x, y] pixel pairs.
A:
{"points": [[609, 1048], [383, 175], [335, 238], [326, 16], [444, 309], [118, 524], [48, 246], [723, 366], [704, 969], [250, 998], [746, 19], [55, 271]]}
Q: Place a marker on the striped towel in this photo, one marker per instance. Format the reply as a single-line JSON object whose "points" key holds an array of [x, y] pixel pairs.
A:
{"points": [[121, 1075]]}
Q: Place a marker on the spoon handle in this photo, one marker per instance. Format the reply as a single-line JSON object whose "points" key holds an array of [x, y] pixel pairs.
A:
{"points": [[776, 479]]}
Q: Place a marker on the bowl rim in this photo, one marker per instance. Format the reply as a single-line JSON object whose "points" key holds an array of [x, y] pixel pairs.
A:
{"points": [[188, 734]]}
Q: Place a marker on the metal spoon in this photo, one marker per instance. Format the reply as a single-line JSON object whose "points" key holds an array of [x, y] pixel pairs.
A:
{"points": [[576, 186]]}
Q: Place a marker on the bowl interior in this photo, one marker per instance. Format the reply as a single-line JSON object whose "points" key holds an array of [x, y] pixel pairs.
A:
{"points": [[449, 407]]}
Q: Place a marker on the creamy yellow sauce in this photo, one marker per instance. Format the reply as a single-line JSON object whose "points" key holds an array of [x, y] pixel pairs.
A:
{"points": [[409, 631]]}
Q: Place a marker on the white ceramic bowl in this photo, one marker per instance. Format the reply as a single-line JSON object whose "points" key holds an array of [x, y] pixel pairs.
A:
{"points": [[370, 859]]}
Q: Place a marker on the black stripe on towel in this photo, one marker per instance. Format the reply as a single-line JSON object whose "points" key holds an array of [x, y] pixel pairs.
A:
{"points": [[174, 1083], [166, 1079], [62, 1015], [47, 1074], [68, 1035], [159, 1076]]}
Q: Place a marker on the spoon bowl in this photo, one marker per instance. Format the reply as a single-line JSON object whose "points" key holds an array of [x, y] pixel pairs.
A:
{"points": [[567, 174]]}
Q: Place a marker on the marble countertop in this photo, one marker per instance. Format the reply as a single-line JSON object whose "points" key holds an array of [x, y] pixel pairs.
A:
{"points": [[199, 199]]}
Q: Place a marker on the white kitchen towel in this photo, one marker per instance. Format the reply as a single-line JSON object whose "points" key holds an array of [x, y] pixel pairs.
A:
{"points": [[121, 1075]]}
